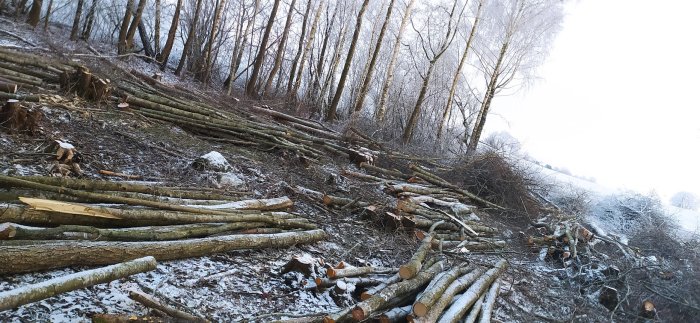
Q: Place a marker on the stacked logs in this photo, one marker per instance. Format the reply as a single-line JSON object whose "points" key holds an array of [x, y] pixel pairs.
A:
{"points": [[425, 289], [53, 228]]}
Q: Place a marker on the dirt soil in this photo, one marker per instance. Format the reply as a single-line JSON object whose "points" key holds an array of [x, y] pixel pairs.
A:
{"points": [[533, 290]]}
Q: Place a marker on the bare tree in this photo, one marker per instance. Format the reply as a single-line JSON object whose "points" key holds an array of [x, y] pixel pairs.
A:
{"points": [[307, 49], [76, 20], [121, 43], [156, 29], [525, 28], [381, 107], [135, 24], [260, 57], [47, 18], [190, 38], [685, 200], [280, 49], [89, 21], [35, 13], [373, 60], [432, 55], [333, 108], [239, 47], [205, 70], [458, 72], [300, 46], [165, 54]]}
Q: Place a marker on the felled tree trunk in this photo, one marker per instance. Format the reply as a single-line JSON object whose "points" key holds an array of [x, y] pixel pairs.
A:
{"points": [[369, 306], [32, 293], [431, 294], [488, 302], [88, 253], [155, 304], [413, 266], [356, 271], [448, 294], [395, 315]]}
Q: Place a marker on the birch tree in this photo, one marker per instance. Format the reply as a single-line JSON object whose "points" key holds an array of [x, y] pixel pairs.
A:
{"points": [[251, 86]]}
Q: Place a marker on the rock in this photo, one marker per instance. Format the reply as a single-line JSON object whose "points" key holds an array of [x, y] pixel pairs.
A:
{"points": [[230, 180], [608, 297], [212, 161]]}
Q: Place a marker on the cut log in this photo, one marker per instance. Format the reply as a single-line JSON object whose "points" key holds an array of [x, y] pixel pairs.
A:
{"points": [[476, 309], [464, 302], [43, 256], [357, 281], [431, 294], [122, 318], [448, 294], [376, 289], [7, 231], [395, 315], [278, 203], [150, 302], [489, 302], [35, 292], [156, 233], [335, 273], [648, 309], [413, 266], [368, 307], [435, 180], [8, 87], [305, 264]]}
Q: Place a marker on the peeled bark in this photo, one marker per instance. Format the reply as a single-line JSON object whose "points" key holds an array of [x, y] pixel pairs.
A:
{"points": [[368, 307], [36, 292], [464, 302], [42, 256]]}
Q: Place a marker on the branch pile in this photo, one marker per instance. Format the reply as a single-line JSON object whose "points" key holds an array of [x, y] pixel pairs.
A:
{"points": [[153, 221]]}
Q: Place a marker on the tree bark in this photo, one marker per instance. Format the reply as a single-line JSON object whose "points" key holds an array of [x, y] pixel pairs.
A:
{"points": [[333, 108], [476, 309], [90, 21], [334, 273], [373, 60], [431, 294], [368, 307], [156, 30], [76, 21], [131, 32], [464, 302], [121, 43], [300, 47], [280, 49], [251, 86], [190, 38], [204, 72], [36, 292], [150, 302], [165, 54], [89, 253], [47, 18], [395, 315], [448, 294], [458, 72], [489, 302], [381, 107], [35, 13]]}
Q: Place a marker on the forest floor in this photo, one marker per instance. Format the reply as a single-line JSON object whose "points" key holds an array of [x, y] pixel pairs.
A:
{"points": [[533, 290]]}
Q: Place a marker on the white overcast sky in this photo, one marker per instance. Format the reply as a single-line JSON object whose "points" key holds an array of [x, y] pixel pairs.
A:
{"points": [[617, 98]]}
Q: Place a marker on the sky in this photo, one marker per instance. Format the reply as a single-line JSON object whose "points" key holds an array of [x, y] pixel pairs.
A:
{"points": [[618, 97]]}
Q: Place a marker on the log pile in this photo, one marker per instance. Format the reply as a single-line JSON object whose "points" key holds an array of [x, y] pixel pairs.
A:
{"points": [[435, 292], [40, 233]]}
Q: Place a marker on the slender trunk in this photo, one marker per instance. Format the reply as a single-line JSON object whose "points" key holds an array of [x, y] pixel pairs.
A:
{"points": [[121, 44], [260, 57], [381, 108], [48, 15], [19, 9], [280, 49], [135, 24], [239, 48], [300, 47], [486, 103], [370, 69], [35, 13], [205, 70], [333, 108], [307, 49], [458, 72], [163, 58], [144, 40], [76, 21], [190, 38], [90, 20], [413, 120], [335, 61], [156, 30]]}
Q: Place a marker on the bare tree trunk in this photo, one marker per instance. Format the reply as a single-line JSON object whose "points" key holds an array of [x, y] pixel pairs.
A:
{"points": [[333, 108], [135, 24], [121, 43], [48, 14], [165, 54], [486, 103], [458, 72], [280, 49], [381, 107], [237, 54], [260, 57], [300, 47], [143, 33], [156, 30], [205, 70], [35, 13], [76, 21], [309, 45], [190, 38], [370, 69], [89, 21]]}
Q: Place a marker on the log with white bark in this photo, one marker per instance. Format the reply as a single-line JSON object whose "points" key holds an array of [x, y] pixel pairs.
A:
{"points": [[49, 255], [414, 265], [395, 315], [464, 302], [448, 294], [476, 309], [489, 302], [278, 203], [36, 292], [368, 307], [357, 271], [376, 289], [357, 281], [435, 180], [433, 292]]}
